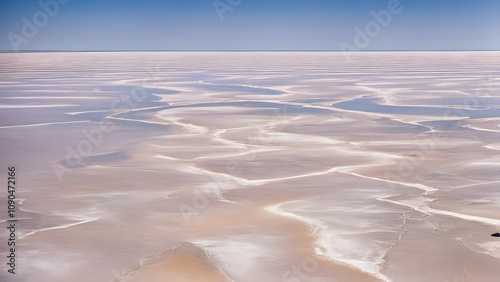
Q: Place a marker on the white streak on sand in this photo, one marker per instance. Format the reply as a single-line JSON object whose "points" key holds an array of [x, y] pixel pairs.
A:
{"points": [[217, 156], [323, 247], [342, 169], [42, 124], [59, 97], [33, 106], [216, 176], [136, 120], [423, 207], [194, 129], [246, 86], [82, 221], [217, 137], [423, 187], [480, 129], [348, 169], [87, 112], [480, 219], [492, 147], [412, 206], [318, 173], [166, 157], [248, 182], [477, 184]]}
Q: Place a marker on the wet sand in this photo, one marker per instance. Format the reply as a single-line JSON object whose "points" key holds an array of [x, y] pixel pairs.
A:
{"points": [[254, 166]]}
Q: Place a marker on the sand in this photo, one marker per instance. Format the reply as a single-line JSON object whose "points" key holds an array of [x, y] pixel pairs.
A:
{"points": [[253, 166]]}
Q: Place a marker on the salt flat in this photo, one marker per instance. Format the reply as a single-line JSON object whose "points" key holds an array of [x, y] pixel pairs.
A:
{"points": [[254, 166]]}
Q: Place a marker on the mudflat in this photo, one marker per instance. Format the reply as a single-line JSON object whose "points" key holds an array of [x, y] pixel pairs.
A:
{"points": [[253, 166]]}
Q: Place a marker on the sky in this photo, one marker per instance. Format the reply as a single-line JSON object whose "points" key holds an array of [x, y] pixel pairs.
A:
{"points": [[242, 25]]}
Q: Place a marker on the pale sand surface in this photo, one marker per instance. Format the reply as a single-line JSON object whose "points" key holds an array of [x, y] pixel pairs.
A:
{"points": [[254, 166]]}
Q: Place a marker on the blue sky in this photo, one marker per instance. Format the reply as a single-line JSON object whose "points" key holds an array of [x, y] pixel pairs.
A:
{"points": [[249, 25]]}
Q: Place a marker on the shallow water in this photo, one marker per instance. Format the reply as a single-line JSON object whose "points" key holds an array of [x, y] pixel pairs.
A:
{"points": [[370, 105]]}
